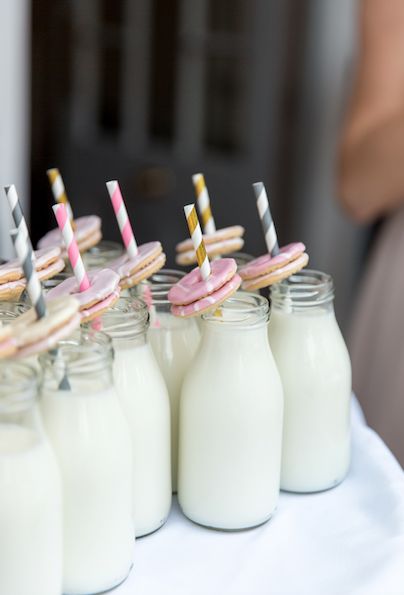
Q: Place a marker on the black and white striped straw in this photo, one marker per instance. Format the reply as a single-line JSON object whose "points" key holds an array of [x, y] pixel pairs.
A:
{"points": [[264, 212], [23, 247]]}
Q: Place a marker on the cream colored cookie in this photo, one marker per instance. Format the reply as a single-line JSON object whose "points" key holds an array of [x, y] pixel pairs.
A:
{"points": [[220, 235], [27, 329], [90, 241], [12, 290], [144, 273], [212, 250], [277, 275]]}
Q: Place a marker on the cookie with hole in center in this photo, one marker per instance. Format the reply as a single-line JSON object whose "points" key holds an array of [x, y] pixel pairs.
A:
{"points": [[220, 242], [87, 232], [149, 259]]}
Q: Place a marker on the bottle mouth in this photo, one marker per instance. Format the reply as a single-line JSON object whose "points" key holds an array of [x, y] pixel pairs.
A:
{"points": [[126, 319], [19, 384], [243, 309], [86, 351], [306, 289], [155, 289]]}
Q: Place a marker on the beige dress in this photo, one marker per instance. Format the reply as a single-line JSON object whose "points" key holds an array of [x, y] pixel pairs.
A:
{"points": [[377, 337]]}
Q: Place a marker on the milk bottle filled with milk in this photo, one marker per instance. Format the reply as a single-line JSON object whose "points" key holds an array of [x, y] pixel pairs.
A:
{"points": [[144, 399], [314, 365], [231, 420], [174, 342], [91, 440], [30, 491]]}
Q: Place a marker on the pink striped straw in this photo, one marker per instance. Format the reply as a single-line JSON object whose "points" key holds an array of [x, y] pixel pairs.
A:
{"points": [[122, 218], [73, 251]]}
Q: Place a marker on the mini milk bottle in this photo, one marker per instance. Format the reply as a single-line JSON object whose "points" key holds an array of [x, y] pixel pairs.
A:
{"points": [[231, 420], [174, 342], [91, 439], [314, 365], [145, 402], [30, 491]]}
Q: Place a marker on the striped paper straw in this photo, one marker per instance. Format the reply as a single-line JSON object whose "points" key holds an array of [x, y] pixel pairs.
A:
{"points": [[25, 253], [122, 218], [16, 211], [203, 202], [73, 251], [197, 240], [58, 189], [266, 219]]}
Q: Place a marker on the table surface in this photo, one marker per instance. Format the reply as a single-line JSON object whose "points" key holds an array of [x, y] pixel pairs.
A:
{"points": [[346, 541]]}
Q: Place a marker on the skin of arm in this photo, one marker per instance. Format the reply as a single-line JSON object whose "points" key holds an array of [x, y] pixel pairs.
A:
{"points": [[371, 160]]}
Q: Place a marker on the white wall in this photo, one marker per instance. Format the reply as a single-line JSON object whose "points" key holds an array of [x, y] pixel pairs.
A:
{"points": [[14, 109]]}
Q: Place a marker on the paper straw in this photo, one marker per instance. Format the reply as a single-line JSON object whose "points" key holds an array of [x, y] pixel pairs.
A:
{"points": [[203, 202], [25, 253], [197, 240], [58, 189], [267, 222], [73, 251], [121, 214]]}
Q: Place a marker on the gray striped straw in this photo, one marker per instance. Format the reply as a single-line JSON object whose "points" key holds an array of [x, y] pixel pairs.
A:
{"points": [[266, 219], [23, 247]]}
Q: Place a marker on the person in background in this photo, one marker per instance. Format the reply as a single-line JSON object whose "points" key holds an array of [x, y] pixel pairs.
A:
{"points": [[371, 187]]}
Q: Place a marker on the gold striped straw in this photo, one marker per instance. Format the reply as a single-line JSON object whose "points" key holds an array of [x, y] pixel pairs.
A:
{"points": [[197, 240], [203, 202], [59, 192]]}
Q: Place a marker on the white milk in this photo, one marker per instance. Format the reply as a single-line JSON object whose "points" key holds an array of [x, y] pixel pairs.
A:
{"points": [[144, 398], [91, 440], [174, 342], [30, 514], [231, 421], [316, 374]]}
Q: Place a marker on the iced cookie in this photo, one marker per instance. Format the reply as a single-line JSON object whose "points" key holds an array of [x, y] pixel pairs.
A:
{"points": [[193, 296], [150, 258], [87, 233], [33, 335], [267, 270], [222, 241], [103, 292]]}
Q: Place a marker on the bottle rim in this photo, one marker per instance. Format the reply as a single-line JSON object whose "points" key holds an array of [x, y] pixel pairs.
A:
{"points": [[154, 290], [86, 351], [243, 309], [306, 289], [128, 318]]}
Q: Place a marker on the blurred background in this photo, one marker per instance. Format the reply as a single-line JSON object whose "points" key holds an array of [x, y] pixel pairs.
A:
{"points": [[152, 91]]}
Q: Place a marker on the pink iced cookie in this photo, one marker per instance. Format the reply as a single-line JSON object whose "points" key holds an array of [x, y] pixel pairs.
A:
{"points": [[11, 270], [192, 287], [263, 265], [87, 233], [278, 274], [126, 266], [103, 291], [209, 302]]}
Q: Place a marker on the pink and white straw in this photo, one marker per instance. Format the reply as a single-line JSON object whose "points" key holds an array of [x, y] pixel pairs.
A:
{"points": [[73, 251], [122, 218]]}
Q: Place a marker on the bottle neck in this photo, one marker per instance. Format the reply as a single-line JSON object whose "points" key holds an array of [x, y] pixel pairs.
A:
{"points": [[81, 364], [19, 383], [306, 291], [242, 312], [126, 323]]}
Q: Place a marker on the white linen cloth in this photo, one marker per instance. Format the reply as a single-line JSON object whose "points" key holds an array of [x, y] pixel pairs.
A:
{"points": [[346, 541]]}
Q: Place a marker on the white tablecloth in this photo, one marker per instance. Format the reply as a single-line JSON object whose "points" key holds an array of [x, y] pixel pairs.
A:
{"points": [[346, 541]]}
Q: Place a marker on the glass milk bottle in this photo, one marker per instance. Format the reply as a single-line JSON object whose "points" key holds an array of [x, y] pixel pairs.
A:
{"points": [[174, 342], [315, 369], [145, 402], [231, 420], [91, 439], [30, 491]]}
